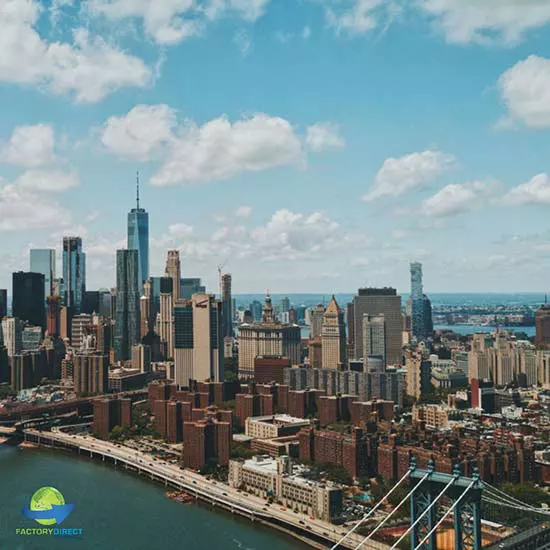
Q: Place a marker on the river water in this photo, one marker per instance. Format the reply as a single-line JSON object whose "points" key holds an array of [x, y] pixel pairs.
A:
{"points": [[116, 510]]}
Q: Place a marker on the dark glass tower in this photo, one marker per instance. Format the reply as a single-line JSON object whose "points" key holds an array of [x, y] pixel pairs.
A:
{"points": [[28, 298], [74, 273], [3, 302], [127, 303], [138, 237]]}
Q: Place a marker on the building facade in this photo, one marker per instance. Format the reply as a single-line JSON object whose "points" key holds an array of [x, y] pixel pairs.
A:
{"points": [[43, 261], [138, 238], [333, 337], [29, 302], [74, 274]]}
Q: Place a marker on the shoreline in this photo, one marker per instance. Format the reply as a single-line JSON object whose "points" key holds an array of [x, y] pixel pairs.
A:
{"points": [[204, 504]]}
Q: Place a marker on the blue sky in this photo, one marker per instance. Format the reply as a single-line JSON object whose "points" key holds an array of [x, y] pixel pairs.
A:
{"points": [[309, 145]]}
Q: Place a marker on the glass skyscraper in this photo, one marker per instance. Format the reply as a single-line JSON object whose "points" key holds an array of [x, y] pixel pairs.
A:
{"points": [[29, 302], [74, 273], [43, 261], [138, 238], [127, 329]]}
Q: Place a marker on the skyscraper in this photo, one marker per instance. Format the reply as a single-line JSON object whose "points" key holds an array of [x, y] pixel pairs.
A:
{"points": [[53, 324], [12, 331], [173, 270], [227, 305], [542, 324], [127, 303], [74, 273], [43, 261], [417, 302], [316, 320], [374, 337], [3, 302], [138, 237], [166, 316], [375, 301], [333, 337], [198, 340], [29, 302]]}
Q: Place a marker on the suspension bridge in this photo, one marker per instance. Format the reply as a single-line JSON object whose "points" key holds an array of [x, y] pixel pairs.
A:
{"points": [[439, 500]]}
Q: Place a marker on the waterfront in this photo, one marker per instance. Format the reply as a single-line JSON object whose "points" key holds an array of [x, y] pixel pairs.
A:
{"points": [[117, 510]]}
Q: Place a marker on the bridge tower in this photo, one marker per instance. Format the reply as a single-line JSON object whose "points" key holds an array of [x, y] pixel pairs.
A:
{"points": [[465, 496]]}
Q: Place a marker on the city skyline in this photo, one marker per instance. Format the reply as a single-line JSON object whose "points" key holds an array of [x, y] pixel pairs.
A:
{"points": [[369, 159]]}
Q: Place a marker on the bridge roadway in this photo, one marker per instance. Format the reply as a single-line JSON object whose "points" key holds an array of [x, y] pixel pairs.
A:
{"points": [[214, 492]]}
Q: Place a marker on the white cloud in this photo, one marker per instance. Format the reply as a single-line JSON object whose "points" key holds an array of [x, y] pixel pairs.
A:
{"points": [[534, 191], [142, 133], [487, 21], [47, 180], [525, 90], [243, 42], [402, 174], [248, 9], [324, 135], [306, 32], [360, 16], [243, 211], [22, 209], [29, 146], [88, 68], [457, 198], [219, 149]]}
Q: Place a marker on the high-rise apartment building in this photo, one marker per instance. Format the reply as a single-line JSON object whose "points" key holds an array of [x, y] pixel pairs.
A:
{"points": [[12, 331], [417, 301], [227, 305], [375, 301], [74, 274], [166, 316], [90, 373], [418, 374], [374, 337], [109, 413], [198, 340], [29, 302], [542, 327], [43, 261], [138, 237], [268, 338], [53, 316], [145, 316], [80, 328], [127, 304], [316, 321], [333, 337], [173, 270]]}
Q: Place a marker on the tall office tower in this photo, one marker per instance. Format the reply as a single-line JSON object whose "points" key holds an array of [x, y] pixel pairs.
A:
{"points": [[3, 302], [199, 340], [376, 301], [190, 286], [333, 337], [138, 237], [268, 338], [351, 330], [43, 261], [91, 373], [141, 357], [542, 327], [227, 305], [428, 320], [127, 304], [173, 270], [80, 327], [53, 316], [255, 309], [417, 302], [12, 331], [105, 303], [285, 304], [145, 315], [166, 316], [374, 337], [316, 321], [74, 274], [29, 302]]}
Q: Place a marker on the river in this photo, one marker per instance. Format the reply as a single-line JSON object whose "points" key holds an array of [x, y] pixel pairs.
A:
{"points": [[116, 510]]}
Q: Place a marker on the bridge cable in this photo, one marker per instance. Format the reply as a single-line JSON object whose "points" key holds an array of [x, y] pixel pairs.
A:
{"points": [[357, 525]]}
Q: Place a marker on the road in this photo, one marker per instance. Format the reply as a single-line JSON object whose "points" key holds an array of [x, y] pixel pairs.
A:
{"points": [[214, 488]]}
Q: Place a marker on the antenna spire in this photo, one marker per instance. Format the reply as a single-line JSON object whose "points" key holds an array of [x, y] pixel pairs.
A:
{"points": [[137, 189]]}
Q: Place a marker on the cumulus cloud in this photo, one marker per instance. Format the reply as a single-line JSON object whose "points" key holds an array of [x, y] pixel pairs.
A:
{"points": [[324, 135], [29, 146], [402, 174], [534, 191], [525, 90], [142, 133], [47, 180], [486, 21], [243, 211], [23, 209], [457, 198], [88, 67]]}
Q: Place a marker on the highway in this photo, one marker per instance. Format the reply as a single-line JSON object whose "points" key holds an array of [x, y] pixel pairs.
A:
{"points": [[213, 490]]}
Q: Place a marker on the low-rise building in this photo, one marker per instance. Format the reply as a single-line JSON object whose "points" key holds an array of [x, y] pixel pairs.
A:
{"points": [[269, 427], [279, 479]]}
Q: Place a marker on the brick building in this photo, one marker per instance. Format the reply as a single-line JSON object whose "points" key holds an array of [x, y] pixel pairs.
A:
{"points": [[109, 413]]}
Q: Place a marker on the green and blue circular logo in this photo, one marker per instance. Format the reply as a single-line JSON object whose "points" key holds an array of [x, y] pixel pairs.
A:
{"points": [[47, 507]]}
